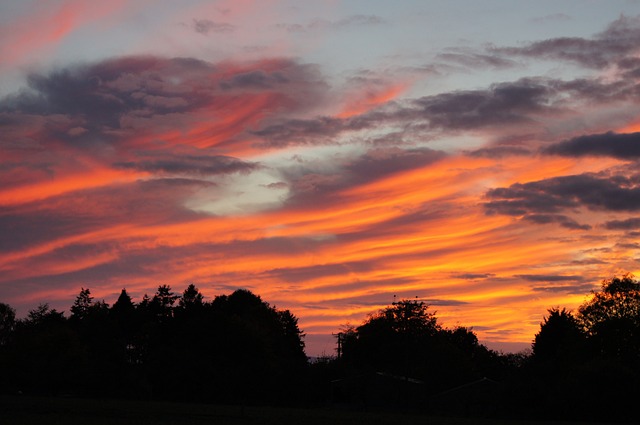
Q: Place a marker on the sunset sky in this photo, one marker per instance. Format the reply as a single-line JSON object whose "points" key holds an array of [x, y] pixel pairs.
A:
{"points": [[481, 156]]}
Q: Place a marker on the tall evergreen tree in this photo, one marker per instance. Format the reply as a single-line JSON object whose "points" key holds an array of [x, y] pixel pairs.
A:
{"points": [[124, 305], [82, 305], [163, 301], [191, 298]]}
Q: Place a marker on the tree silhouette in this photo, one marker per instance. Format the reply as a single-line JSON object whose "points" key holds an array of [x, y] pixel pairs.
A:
{"points": [[560, 337], [124, 305], [7, 323], [391, 339], [46, 356], [82, 305], [261, 347], [163, 301], [611, 318], [127, 324], [406, 340], [7, 328], [584, 364], [191, 298], [292, 335], [43, 315]]}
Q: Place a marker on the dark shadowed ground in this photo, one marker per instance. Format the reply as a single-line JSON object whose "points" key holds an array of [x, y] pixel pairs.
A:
{"points": [[18, 410]]}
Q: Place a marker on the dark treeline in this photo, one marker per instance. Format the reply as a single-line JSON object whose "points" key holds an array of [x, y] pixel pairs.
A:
{"points": [[238, 349], [235, 348], [582, 366], [586, 364]]}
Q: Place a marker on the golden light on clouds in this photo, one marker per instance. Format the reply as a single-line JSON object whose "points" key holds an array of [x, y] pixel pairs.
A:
{"points": [[326, 189]]}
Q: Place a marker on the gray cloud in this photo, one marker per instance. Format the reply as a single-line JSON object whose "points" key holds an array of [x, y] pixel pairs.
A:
{"points": [[376, 163], [476, 60], [558, 283], [502, 107], [621, 146], [550, 278], [206, 26], [560, 219], [604, 49], [104, 90], [566, 289], [632, 245], [349, 21], [597, 192], [443, 302], [628, 224], [277, 185], [359, 20], [596, 90], [588, 262], [554, 17], [202, 164], [630, 67], [473, 276], [303, 131], [292, 27], [505, 103], [324, 24], [500, 152], [254, 79], [499, 105], [113, 101]]}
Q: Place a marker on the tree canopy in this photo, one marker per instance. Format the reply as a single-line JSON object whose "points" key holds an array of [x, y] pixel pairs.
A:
{"points": [[611, 318], [560, 337], [234, 348], [406, 339], [593, 351]]}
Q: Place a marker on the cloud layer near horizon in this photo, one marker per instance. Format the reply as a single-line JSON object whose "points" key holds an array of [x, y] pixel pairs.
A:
{"points": [[492, 204]]}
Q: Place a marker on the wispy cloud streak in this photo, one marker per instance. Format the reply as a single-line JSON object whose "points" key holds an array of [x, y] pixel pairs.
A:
{"points": [[327, 196]]}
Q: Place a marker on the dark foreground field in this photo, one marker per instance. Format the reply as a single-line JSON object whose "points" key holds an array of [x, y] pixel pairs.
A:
{"points": [[70, 411]]}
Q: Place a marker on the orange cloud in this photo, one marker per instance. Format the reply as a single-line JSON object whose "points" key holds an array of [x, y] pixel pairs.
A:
{"points": [[370, 98], [631, 128], [112, 193], [406, 258], [409, 233], [68, 183]]}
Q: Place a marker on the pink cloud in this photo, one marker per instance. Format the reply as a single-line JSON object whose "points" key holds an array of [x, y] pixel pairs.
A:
{"points": [[37, 34]]}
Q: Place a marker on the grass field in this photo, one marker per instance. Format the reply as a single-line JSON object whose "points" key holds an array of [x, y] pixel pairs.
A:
{"points": [[22, 410]]}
